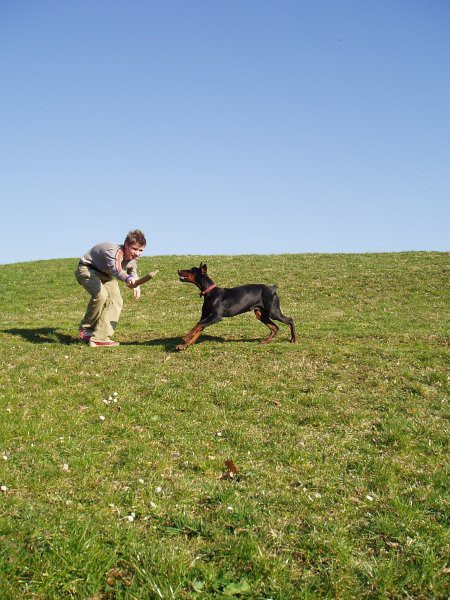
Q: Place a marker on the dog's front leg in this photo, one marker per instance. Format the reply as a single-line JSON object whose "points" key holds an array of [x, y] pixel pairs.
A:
{"points": [[190, 333], [191, 337]]}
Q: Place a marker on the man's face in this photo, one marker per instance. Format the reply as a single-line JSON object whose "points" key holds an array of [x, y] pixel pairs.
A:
{"points": [[132, 251]]}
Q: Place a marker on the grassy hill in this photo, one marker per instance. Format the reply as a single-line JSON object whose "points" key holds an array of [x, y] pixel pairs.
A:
{"points": [[340, 440]]}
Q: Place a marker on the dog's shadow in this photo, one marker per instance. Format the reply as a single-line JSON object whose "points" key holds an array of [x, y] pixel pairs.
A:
{"points": [[51, 335], [170, 343]]}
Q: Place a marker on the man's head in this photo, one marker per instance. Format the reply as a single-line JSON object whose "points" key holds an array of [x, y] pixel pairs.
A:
{"points": [[134, 245]]}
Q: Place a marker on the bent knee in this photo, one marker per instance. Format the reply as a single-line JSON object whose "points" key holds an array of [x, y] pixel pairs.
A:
{"points": [[116, 300], [101, 297]]}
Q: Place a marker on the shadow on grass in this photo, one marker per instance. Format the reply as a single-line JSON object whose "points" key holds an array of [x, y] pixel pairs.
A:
{"points": [[168, 343], [42, 335], [171, 343], [51, 335]]}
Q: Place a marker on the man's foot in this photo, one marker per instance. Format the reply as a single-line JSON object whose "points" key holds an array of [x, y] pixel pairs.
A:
{"points": [[105, 344], [84, 335]]}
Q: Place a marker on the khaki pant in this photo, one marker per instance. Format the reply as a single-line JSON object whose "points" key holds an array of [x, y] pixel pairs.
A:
{"points": [[104, 307]]}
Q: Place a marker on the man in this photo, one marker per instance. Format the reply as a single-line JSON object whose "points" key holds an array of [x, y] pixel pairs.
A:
{"points": [[98, 272]]}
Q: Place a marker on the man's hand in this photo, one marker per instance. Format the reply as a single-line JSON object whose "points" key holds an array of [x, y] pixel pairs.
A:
{"points": [[137, 293], [132, 282]]}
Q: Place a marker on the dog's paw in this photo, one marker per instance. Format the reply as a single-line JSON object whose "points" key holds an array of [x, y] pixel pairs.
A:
{"points": [[181, 347]]}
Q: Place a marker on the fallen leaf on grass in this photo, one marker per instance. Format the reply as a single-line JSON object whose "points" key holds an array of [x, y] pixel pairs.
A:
{"points": [[235, 589], [198, 586], [231, 470], [239, 530], [117, 575], [231, 466]]}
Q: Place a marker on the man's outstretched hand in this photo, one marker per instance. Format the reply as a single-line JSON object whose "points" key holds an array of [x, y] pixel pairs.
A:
{"points": [[134, 284]]}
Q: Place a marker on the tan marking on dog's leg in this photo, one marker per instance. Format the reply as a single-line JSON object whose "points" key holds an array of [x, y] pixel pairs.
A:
{"points": [[273, 328], [273, 332], [194, 334], [189, 334]]}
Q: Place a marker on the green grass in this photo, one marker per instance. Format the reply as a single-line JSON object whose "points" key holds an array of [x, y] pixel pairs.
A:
{"points": [[340, 440]]}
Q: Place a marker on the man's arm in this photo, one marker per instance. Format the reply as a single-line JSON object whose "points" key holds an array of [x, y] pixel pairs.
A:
{"points": [[113, 259]]}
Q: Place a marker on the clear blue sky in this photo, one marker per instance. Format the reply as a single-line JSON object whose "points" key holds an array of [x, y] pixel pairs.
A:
{"points": [[224, 126]]}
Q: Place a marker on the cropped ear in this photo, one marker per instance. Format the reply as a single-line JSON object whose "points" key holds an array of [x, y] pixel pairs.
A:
{"points": [[203, 268]]}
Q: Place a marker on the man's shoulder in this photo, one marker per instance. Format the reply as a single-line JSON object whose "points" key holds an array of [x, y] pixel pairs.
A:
{"points": [[107, 247]]}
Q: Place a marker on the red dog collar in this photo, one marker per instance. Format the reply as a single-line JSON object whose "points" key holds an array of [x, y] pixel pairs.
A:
{"points": [[211, 287]]}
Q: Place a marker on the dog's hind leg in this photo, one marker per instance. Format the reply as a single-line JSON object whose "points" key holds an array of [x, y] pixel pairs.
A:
{"points": [[264, 318], [275, 313]]}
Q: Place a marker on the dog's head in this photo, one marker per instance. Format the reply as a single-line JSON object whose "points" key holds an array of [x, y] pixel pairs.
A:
{"points": [[193, 275]]}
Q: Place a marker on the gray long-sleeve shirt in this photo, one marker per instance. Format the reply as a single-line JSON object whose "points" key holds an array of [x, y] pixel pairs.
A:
{"points": [[108, 259]]}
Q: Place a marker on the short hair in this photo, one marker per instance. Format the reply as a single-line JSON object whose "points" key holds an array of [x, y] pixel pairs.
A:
{"points": [[136, 237]]}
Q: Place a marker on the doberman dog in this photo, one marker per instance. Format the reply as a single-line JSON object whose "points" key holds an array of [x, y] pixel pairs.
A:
{"points": [[228, 302]]}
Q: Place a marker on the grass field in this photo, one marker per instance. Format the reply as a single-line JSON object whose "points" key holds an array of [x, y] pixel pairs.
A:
{"points": [[340, 441]]}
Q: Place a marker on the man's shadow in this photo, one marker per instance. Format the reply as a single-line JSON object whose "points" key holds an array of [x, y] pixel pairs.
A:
{"points": [[42, 335]]}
